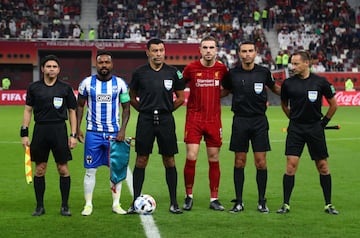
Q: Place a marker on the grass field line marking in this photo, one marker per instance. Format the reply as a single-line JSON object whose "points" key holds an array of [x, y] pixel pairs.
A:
{"points": [[150, 228]]}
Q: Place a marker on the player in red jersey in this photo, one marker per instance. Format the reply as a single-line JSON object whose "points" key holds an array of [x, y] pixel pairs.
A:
{"points": [[203, 118]]}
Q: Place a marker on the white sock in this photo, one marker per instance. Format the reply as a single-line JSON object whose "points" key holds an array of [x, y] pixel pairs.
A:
{"points": [[117, 193], [89, 185]]}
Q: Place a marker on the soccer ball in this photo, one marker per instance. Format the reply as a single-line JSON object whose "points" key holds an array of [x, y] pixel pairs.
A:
{"points": [[145, 204]]}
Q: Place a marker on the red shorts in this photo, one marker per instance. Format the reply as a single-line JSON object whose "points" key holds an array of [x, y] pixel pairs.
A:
{"points": [[212, 132]]}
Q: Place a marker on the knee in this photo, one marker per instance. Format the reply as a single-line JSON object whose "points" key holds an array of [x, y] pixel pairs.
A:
{"points": [[214, 157], [90, 174], [63, 170], [141, 161], [168, 161], [290, 169], [40, 169], [240, 163], [190, 155], [261, 164], [323, 168]]}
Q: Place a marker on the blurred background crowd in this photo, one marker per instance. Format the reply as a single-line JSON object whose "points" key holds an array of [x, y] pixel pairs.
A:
{"points": [[330, 30]]}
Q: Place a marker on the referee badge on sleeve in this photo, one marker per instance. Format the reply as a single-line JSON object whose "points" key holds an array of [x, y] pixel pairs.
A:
{"points": [[312, 95], [58, 102]]}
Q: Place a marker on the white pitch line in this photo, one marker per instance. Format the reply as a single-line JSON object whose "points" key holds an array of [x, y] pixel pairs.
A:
{"points": [[150, 228]]}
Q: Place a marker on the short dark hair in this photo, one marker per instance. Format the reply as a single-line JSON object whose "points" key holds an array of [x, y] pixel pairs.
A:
{"points": [[154, 41], [247, 42], [49, 57], [103, 52], [304, 55]]}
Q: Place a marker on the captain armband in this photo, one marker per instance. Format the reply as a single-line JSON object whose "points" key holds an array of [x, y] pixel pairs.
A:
{"points": [[124, 97]]}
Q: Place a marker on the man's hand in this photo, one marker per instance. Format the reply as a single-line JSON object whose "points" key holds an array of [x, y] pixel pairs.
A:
{"points": [[325, 120], [80, 136]]}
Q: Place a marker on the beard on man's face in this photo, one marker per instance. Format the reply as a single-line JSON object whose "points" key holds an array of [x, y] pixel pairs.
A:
{"points": [[103, 71]]}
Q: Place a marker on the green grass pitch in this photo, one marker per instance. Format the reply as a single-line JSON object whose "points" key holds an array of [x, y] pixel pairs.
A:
{"points": [[306, 219]]}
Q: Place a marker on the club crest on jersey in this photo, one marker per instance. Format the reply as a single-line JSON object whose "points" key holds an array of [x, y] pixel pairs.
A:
{"points": [[258, 87], [168, 84], [58, 102], [312, 95], [115, 89]]}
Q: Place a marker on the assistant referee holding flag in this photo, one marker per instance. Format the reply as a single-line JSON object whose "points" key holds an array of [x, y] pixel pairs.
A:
{"points": [[301, 100], [52, 102]]}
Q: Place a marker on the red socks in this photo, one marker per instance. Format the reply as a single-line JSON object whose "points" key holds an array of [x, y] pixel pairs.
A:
{"points": [[214, 178], [189, 175]]}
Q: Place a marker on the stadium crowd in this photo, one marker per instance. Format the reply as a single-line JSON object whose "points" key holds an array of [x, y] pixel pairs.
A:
{"points": [[229, 21], [38, 18], [329, 29]]}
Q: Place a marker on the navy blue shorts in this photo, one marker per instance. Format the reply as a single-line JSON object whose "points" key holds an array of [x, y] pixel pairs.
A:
{"points": [[163, 130], [250, 129]]}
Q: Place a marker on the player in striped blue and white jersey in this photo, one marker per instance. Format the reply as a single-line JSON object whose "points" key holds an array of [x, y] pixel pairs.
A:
{"points": [[103, 97], [103, 93]]}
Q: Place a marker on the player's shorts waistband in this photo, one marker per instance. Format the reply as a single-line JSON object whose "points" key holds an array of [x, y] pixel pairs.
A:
{"points": [[156, 111], [303, 122], [238, 114], [49, 122]]}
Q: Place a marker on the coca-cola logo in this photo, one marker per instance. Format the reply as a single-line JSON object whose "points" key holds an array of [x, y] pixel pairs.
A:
{"points": [[348, 98]]}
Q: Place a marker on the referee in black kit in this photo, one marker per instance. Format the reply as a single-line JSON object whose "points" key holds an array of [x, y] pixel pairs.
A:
{"points": [[301, 100], [151, 94], [248, 83], [52, 103]]}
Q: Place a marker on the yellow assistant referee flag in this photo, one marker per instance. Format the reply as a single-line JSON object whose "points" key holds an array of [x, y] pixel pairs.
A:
{"points": [[28, 168]]}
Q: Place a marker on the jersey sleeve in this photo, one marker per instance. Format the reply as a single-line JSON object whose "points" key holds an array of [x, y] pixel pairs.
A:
{"points": [[124, 92], [328, 89], [179, 83], [82, 87], [186, 73], [283, 93], [226, 81], [29, 96], [134, 81], [270, 81], [71, 99]]}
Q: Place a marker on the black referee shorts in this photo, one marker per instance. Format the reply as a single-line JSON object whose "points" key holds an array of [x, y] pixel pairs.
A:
{"points": [[163, 130], [50, 137], [310, 134], [246, 129]]}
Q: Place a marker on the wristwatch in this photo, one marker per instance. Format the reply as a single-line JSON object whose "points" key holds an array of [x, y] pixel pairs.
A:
{"points": [[73, 135]]}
